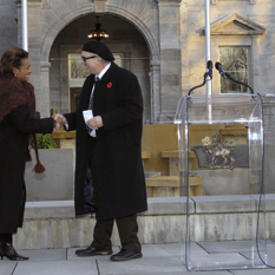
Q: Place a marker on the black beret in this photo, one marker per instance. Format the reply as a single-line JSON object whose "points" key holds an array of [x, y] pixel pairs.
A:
{"points": [[98, 48]]}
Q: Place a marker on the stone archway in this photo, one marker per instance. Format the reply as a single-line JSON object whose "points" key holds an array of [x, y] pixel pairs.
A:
{"points": [[149, 36], [56, 27]]}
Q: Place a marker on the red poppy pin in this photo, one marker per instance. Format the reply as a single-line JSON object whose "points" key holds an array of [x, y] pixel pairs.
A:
{"points": [[109, 85]]}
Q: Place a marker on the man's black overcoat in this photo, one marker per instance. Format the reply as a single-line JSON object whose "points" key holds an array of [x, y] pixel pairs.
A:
{"points": [[118, 100]]}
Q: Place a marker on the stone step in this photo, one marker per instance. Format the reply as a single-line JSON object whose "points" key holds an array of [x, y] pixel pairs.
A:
{"points": [[52, 224]]}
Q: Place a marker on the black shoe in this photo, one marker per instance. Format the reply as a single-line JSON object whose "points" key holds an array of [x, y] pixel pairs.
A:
{"points": [[92, 251], [125, 255], [7, 250]]}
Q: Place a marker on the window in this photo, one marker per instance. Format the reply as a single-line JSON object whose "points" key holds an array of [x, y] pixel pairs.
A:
{"points": [[235, 61], [119, 59], [77, 71]]}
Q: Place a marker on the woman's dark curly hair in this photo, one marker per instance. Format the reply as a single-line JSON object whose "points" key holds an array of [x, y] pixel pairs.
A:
{"points": [[11, 59]]}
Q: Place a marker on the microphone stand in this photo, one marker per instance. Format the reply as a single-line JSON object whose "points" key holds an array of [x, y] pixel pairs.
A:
{"points": [[206, 74]]}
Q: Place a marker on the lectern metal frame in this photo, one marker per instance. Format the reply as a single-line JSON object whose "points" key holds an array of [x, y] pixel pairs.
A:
{"points": [[237, 108]]}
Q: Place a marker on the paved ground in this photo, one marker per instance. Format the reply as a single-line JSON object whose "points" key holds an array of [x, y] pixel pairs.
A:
{"points": [[164, 259]]}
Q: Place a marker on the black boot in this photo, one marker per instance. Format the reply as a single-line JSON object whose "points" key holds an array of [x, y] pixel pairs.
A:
{"points": [[7, 250]]}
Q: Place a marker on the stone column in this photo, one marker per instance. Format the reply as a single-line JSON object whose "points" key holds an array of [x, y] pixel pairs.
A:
{"points": [[170, 52], [43, 105], [155, 96]]}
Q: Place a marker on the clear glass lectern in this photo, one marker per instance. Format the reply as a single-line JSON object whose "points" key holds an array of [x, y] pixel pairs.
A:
{"points": [[222, 110]]}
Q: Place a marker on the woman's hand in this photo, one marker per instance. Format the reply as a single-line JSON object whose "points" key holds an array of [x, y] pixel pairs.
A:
{"points": [[59, 121]]}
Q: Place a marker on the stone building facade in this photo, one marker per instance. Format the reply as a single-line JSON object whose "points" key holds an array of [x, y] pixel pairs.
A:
{"points": [[161, 41]]}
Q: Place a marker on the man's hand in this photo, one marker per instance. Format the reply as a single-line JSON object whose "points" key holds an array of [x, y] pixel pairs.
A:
{"points": [[95, 122], [59, 121]]}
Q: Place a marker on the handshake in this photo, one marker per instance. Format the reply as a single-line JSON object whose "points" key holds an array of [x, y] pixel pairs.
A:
{"points": [[59, 121]]}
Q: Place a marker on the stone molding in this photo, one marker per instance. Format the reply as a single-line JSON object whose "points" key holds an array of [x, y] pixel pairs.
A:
{"points": [[18, 2], [45, 64], [235, 25], [155, 63], [168, 3], [251, 2]]}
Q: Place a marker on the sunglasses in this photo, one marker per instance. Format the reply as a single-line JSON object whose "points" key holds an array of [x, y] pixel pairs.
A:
{"points": [[89, 57]]}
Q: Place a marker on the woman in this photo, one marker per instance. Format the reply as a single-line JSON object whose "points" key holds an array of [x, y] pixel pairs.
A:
{"points": [[17, 122]]}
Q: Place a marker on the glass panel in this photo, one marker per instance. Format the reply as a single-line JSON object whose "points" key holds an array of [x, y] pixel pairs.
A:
{"points": [[234, 61], [227, 166]]}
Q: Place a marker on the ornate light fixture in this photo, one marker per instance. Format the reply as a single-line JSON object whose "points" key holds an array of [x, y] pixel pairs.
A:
{"points": [[98, 33]]}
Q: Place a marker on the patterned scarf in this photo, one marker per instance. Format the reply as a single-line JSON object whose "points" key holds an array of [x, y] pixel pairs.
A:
{"points": [[15, 93]]}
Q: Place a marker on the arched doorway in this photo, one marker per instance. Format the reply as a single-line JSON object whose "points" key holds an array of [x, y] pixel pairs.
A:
{"points": [[66, 72]]}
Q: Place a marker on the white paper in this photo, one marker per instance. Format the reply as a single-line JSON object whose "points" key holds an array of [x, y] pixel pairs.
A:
{"points": [[87, 115]]}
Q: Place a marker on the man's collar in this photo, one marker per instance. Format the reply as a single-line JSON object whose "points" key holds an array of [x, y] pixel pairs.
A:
{"points": [[104, 70]]}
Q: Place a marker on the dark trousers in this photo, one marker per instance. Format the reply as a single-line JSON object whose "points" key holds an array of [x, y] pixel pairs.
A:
{"points": [[127, 226], [127, 230]]}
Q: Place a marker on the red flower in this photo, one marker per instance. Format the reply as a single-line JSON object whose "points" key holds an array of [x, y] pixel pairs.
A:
{"points": [[109, 84]]}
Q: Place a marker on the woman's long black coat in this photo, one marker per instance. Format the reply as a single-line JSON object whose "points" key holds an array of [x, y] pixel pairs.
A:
{"points": [[118, 100], [14, 132]]}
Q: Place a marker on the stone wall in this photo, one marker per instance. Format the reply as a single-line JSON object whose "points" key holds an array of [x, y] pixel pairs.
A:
{"points": [[57, 181], [262, 46], [213, 218], [8, 27]]}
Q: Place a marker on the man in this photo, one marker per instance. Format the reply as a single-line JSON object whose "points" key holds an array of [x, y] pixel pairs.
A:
{"points": [[110, 144]]}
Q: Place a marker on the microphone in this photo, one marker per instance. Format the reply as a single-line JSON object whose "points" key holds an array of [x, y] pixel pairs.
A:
{"points": [[224, 74], [208, 73], [218, 66], [209, 67]]}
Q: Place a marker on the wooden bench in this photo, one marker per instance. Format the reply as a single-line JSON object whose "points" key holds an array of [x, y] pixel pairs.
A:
{"points": [[64, 139], [173, 161], [145, 155], [169, 186]]}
